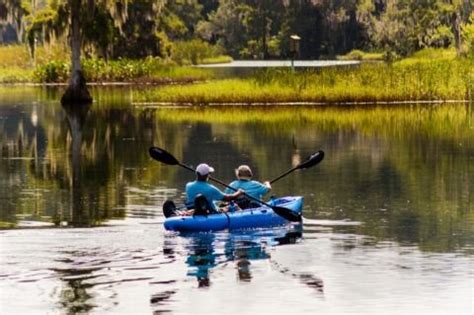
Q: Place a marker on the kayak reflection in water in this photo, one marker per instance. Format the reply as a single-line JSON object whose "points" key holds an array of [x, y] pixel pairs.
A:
{"points": [[251, 187], [205, 251]]}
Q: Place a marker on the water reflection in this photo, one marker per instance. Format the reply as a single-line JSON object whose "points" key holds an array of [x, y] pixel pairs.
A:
{"points": [[405, 172], [201, 258], [76, 116], [74, 296], [390, 207], [205, 251]]}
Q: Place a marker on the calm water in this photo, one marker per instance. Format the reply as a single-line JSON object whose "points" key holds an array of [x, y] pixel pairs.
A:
{"points": [[389, 213]]}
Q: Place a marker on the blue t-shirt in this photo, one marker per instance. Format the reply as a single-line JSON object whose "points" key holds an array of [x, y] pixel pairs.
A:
{"points": [[251, 187], [211, 192]]}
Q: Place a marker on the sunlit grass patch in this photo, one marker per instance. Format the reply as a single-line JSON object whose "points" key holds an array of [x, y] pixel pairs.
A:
{"points": [[15, 75], [362, 55], [52, 65], [14, 56], [434, 80], [19, 56], [143, 70], [218, 59], [433, 54]]}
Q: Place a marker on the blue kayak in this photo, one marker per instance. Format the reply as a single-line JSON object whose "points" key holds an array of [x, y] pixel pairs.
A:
{"points": [[261, 217]]}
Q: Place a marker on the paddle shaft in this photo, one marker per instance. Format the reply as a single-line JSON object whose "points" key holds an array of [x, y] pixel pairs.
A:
{"points": [[284, 174], [311, 161]]}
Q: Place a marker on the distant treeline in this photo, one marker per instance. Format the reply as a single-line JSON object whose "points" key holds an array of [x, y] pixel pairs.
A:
{"points": [[255, 29]]}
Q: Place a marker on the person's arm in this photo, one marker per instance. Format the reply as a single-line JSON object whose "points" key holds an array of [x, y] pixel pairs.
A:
{"points": [[267, 185], [229, 190], [263, 188], [230, 197], [220, 196]]}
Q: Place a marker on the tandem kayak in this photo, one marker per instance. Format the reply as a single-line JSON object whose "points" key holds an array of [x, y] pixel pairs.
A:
{"points": [[260, 217]]}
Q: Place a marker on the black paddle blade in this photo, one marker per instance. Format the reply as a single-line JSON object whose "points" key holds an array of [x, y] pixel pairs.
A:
{"points": [[287, 214], [162, 156], [169, 209], [312, 160]]}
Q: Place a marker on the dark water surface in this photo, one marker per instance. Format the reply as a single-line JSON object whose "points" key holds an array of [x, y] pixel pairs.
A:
{"points": [[389, 213]]}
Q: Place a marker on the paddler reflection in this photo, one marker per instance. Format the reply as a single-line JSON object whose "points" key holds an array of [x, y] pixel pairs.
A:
{"points": [[206, 253], [201, 258], [242, 252], [208, 250]]}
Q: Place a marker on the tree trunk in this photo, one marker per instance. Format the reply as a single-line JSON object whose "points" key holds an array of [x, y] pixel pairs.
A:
{"points": [[264, 42], [77, 91], [456, 25]]}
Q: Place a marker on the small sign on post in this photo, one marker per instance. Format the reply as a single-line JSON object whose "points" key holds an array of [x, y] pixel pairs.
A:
{"points": [[294, 49]]}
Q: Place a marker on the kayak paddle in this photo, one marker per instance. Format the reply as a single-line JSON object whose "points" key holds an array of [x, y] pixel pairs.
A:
{"points": [[310, 161], [165, 157]]}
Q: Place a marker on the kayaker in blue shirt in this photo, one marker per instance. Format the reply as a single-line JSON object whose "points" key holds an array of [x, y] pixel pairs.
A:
{"points": [[201, 187], [251, 187]]}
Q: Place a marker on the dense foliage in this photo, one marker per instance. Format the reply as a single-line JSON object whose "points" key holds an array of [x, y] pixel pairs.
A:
{"points": [[245, 28]]}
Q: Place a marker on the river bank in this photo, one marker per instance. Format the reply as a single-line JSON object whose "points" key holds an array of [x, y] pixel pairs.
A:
{"points": [[406, 80], [427, 76]]}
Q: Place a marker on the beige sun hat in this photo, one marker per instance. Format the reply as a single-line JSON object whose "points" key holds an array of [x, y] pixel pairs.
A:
{"points": [[243, 172]]}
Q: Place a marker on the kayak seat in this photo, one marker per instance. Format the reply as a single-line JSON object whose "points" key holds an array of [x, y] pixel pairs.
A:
{"points": [[169, 209], [245, 203], [202, 206]]}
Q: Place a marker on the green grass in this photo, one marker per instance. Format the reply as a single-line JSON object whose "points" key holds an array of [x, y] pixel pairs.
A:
{"points": [[196, 51], [362, 55], [428, 55], [430, 74], [143, 70], [15, 75], [18, 56], [435, 53], [52, 66], [15, 57], [218, 59], [433, 80], [17, 66]]}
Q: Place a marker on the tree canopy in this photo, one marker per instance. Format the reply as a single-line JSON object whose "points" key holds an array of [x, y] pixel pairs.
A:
{"points": [[252, 29]]}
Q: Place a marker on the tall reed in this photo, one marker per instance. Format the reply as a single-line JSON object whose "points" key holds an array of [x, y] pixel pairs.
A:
{"points": [[431, 80]]}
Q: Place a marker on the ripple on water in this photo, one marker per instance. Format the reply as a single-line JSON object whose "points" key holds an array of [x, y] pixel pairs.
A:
{"points": [[97, 270]]}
